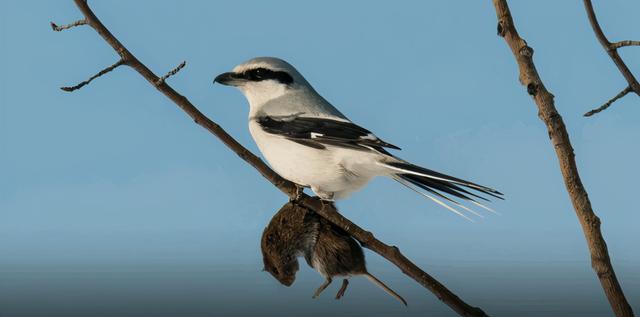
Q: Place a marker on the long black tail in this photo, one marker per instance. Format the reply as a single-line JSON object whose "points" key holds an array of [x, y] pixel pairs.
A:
{"points": [[441, 185]]}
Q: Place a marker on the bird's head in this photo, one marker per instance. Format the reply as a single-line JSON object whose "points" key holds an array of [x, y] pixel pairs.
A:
{"points": [[263, 79]]}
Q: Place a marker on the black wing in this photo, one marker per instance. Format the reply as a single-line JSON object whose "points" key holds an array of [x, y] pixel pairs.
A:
{"points": [[318, 132]]}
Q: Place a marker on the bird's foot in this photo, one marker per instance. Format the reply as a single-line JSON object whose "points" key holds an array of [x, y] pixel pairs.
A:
{"points": [[324, 195], [299, 192]]}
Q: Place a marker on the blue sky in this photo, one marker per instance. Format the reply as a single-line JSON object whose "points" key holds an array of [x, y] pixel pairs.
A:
{"points": [[113, 185]]}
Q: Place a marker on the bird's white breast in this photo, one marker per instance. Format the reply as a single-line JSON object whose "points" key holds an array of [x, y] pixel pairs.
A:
{"points": [[298, 163], [338, 170]]}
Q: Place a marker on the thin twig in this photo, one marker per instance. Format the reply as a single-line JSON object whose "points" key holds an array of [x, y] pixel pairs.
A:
{"points": [[559, 136], [390, 253], [100, 73], [171, 73], [612, 50], [59, 28], [620, 44], [621, 94]]}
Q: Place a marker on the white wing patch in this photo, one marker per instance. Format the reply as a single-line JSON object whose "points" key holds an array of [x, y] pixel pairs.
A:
{"points": [[369, 136]]}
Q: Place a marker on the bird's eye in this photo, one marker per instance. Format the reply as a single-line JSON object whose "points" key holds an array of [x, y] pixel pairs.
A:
{"points": [[260, 73], [256, 74]]}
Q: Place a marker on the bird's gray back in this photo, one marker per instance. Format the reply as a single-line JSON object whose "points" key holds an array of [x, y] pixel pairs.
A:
{"points": [[304, 102]]}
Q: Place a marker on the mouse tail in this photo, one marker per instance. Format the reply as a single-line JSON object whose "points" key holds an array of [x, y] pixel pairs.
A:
{"points": [[386, 288]]}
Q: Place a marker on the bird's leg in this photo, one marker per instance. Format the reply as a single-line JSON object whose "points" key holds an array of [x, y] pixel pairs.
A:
{"points": [[343, 288], [327, 203], [324, 195], [299, 192], [322, 287]]}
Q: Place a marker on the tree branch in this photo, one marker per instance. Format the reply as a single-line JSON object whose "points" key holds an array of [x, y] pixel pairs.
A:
{"points": [[171, 73], [100, 73], [390, 253], [393, 255], [620, 44], [621, 94], [58, 28], [547, 112], [612, 50]]}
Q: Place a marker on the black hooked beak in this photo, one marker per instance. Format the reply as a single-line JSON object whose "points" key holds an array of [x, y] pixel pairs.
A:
{"points": [[229, 79]]}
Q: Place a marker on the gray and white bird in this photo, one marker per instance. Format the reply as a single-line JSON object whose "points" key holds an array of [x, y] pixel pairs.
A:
{"points": [[311, 143]]}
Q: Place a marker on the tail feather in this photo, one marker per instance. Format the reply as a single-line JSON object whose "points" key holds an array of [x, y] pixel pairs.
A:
{"points": [[484, 207], [408, 185], [424, 183], [408, 168], [451, 189], [386, 288], [427, 188], [462, 190], [438, 184]]}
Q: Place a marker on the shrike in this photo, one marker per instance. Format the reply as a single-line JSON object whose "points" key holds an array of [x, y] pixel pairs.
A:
{"points": [[311, 143]]}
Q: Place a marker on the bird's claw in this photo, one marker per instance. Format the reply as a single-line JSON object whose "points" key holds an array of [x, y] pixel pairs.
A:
{"points": [[299, 192]]}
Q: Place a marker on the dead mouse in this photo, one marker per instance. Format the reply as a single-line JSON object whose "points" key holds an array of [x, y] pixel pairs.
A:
{"points": [[295, 231], [291, 231]]}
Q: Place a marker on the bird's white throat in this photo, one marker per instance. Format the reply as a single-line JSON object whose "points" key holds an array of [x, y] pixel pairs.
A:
{"points": [[260, 93]]}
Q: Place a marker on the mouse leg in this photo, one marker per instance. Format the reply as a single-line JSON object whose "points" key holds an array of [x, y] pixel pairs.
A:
{"points": [[343, 288], [322, 287]]}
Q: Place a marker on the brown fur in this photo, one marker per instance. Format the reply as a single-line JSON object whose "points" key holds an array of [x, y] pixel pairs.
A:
{"points": [[295, 231], [292, 230]]}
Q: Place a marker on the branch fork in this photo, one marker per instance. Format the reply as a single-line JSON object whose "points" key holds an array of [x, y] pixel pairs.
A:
{"points": [[612, 50], [620, 44]]}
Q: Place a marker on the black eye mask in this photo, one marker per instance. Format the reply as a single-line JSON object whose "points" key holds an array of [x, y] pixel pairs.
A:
{"points": [[260, 74]]}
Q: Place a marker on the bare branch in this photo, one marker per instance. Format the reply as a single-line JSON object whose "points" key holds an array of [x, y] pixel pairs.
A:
{"points": [[171, 73], [58, 28], [100, 73], [612, 50], [621, 94], [393, 255], [559, 136], [620, 44], [288, 188]]}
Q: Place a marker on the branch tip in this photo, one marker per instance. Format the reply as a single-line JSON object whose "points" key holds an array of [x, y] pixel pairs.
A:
{"points": [[170, 73], [100, 73], [59, 28], [608, 104]]}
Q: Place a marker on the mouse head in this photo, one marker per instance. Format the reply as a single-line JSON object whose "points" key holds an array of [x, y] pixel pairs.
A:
{"points": [[289, 233], [278, 259]]}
